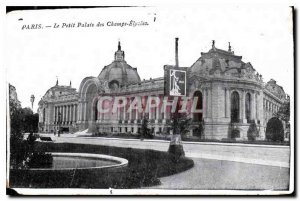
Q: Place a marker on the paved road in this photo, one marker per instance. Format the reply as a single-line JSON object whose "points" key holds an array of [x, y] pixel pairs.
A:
{"points": [[224, 175]]}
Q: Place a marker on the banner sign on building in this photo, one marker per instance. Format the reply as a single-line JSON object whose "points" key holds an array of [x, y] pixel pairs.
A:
{"points": [[175, 81]]}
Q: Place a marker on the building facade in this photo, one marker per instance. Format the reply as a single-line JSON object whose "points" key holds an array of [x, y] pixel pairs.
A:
{"points": [[230, 93]]}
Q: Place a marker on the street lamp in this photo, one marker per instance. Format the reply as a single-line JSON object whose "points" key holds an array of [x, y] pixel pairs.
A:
{"points": [[32, 101]]}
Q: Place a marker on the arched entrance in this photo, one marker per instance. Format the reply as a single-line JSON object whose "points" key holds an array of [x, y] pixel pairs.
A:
{"points": [[275, 131], [95, 109], [198, 116], [91, 99], [199, 106]]}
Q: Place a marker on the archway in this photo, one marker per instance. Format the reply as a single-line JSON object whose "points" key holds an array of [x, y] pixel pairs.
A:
{"points": [[235, 107], [199, 106], [198, 117], [91, 98], [95, 109], [275, 131]]}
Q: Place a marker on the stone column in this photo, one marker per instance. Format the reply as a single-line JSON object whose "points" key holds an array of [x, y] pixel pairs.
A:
{"points": [[149, 109], [60, 112], [67, 114], [74, 113], [57, 113], [84, 110], [63, 115], [242, 107], [165, 110], [71, 112], [227, 103], [157, 113], [54, 114], [253, 106], [78, 111], [208, 103], [124, 112], [204, 105], [129, 109]]}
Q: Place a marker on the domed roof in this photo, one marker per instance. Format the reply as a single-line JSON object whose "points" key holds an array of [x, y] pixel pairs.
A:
{"points": [[59, 90], [217, 59], [119, 72]]}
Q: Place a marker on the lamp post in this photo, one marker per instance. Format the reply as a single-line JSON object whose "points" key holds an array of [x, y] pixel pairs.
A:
{"points": [[32, 101]]}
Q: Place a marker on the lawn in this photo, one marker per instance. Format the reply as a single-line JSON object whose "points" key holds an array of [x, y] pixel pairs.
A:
{"points": [[144, 169]]}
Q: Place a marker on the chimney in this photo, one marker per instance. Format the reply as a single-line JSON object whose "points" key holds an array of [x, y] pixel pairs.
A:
{"points": [[176, 52]]}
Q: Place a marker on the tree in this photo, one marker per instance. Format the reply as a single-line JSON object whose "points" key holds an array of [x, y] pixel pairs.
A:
{"points": [[284, 112], [18, 149], [30, 121], [145, 130], [180, 123], [22, 152], [199, 128], [252, 132], [275, 131]]}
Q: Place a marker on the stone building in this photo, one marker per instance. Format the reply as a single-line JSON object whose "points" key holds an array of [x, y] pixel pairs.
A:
{"points": [[230, 92], [58, 109]]}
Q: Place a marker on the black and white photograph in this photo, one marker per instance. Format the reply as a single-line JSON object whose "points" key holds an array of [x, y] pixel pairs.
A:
{"points": [[177, 99]]}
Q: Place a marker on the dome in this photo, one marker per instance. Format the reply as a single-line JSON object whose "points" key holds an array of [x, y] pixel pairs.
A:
{"points": [[119, 73], [217, 59]]}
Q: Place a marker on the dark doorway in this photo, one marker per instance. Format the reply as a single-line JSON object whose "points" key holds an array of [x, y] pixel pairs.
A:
{"points": [[199, 106]]}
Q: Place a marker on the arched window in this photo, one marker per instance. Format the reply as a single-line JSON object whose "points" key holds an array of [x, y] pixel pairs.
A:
{"points": [[235, 107], [96, 111], [199, 106], [248, 107]]}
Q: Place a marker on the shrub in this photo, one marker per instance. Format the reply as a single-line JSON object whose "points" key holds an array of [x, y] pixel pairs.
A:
{"points": [[145, 130], [39, 160], [235, 133], [252, 132], [275, 131]]}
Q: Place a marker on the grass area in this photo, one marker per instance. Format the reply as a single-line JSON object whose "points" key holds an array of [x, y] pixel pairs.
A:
{"points": [[144, 169]]}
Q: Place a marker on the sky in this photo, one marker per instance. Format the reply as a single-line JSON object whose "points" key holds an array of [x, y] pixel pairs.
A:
{"points": [[35, 57]]}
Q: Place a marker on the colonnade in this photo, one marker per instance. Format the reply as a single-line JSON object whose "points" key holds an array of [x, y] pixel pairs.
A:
{"points": [[65, 114]]}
